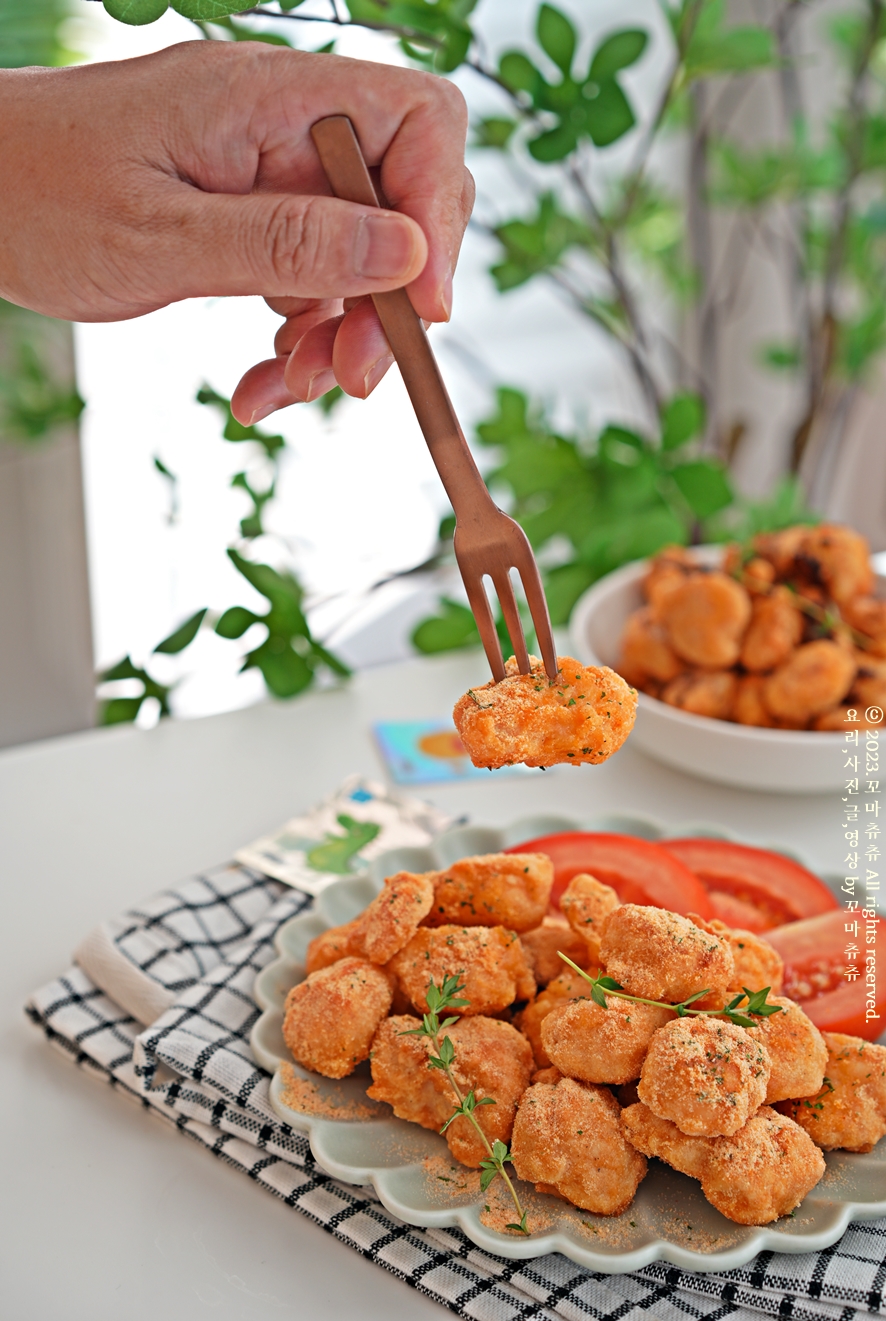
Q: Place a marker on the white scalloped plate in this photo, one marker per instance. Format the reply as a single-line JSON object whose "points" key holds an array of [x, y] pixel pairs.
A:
{"points": [[669, 1219]]}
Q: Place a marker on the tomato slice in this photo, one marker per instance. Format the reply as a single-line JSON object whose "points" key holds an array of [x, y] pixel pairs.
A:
{"points": [[752, 888], [814, 953], [638, 871]]}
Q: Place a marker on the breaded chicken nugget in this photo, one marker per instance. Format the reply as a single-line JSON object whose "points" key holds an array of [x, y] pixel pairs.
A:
{"points": [[706, 620], [541, 946], [748, 708], [662, 956], [796, 1049], [814, 678], [756, 963], [645, 650], [331, 1017], [600, 1045], [497, 889], [488, 960], [491, 1059], [849, 1112], [838, 558], [393, 917], [776, 627], [568, 1141], [331, 946], [567, 986], [752, 1177], [584, 717], [710, 693], [706, 1075], [585, 903]]}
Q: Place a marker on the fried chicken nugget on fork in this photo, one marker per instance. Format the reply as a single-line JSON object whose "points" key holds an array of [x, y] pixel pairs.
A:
{"points": [[331, 1017], [659, 955], [489, 961], [752, 1177], [568, 1141], [491, 1059], [706, 1075], [495, 889], [584, 716]]}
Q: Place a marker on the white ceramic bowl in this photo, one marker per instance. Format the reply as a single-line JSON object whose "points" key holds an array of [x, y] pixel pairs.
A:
{"points": [[774, 760]]}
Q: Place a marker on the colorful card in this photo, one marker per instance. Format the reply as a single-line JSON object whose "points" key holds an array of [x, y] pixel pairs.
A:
{"points": [[428, 752]]}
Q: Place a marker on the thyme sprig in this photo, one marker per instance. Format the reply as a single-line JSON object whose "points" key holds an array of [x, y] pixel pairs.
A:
{"points": [[757, 1005], [441, 998]]}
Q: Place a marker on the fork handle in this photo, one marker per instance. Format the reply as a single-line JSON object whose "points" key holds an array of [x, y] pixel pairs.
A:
{"points": [[342, 159]]}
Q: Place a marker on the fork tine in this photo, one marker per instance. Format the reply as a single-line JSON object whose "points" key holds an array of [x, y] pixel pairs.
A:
{"points": [[538, 609], [505, 589], [482, 612]]}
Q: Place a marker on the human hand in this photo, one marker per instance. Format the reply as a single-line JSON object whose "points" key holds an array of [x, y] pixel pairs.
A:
{"points": [[192, 172]]}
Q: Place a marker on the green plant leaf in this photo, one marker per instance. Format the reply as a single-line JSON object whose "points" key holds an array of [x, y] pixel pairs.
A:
{"points": [[554, 145], [564, 585], [454, 627], [518, 72], [556, 36], [609, 115], [207, 10], [124, 669], [781, 357], [119, 710], [183, 636], [682, 419], [283, 670], [136, 12], [493, 132], [704, 485], [235, 621], [617, 52]]}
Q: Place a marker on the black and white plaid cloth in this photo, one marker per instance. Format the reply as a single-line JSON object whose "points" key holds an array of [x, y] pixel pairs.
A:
{"points": [[175, 1035]]}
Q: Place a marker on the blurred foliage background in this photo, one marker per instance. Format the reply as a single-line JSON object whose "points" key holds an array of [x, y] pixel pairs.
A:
{"points": [[625, 215]]}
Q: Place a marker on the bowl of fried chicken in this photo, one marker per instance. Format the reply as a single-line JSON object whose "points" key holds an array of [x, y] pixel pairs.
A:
{"points": [[754, 662]]}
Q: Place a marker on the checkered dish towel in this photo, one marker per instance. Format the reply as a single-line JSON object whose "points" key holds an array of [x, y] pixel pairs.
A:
{"points": [[164, 1014]]}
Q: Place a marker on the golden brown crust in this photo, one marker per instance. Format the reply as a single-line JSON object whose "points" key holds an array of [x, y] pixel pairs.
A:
{"points": [[331, 946], [849, 1111], [565, 987], [776, 627], [749, 708], [838, 558], [584, 717], [645, 650], [756, 963], [659, 955], [488, 960], [585, 903], [393, 917], [703, 693], [495, 889], [796, 1049], [706, 1075], [542, 944], [814, 678], [706, 620], [331, 1017], [600, 1045], [568, 1140]]}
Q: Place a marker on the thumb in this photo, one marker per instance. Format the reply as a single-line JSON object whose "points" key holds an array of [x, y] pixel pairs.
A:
{"points": [[284, 245]]}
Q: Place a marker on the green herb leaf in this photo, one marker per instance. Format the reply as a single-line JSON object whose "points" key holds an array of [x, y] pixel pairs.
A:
{"points": [[183, 636]]}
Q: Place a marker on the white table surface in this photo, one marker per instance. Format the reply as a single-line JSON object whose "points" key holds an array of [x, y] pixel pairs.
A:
{"points": [[107, 1213]]}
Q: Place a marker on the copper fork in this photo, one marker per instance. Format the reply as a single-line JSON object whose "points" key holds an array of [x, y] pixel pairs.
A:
{"points": [[487, 541]]}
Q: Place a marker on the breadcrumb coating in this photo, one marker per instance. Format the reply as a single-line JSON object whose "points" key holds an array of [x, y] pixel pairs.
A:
{"points": [[600, 1045], [756, 963], [331, 946], [568, 1141], [488, 960], [331, 1017], [706, 1075], [659, 955], [491, 1059], [752, 1177], [849, 1111], [585, 903], [495, 889], [796, 1049], [542, 945], [393, 917], [706, 619], [567, 986], [584, 717]]}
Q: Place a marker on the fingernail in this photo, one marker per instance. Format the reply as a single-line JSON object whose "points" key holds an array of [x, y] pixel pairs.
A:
{"points": [[446, 295], [318, 384], [260, 414], [384, 248], [376, 372]]}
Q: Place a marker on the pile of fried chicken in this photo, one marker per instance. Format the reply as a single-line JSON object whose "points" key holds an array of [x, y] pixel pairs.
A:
{"points": [[786, 634], [585, 1093]]}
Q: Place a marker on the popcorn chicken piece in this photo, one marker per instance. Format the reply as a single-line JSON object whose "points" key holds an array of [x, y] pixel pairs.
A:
{"points": [[496, 889], [752, 1177], [491, 1059], [645, 650], [781, 548], [659, 955], [488, 960], [393, 917], [568, 1141], [585, 903], [542, 943], [331, 946], [814, 678], [796, 1049], [565, 987], [849, 1111], [331, 1017], [584, 717], [749, 708], [776, 628], [756, 963], [706, 1075], [599, 1045], [838, 558], [702, 693], [706, 620], [667, 570]]}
